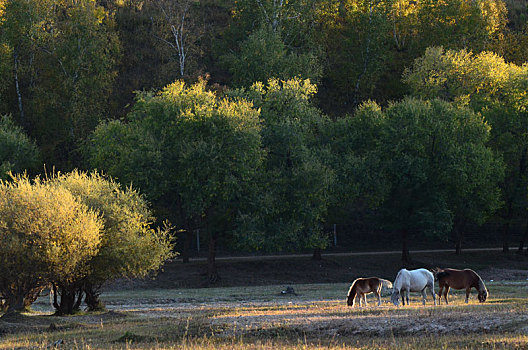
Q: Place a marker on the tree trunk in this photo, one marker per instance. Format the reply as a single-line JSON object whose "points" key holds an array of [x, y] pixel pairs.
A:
{"points": [[92, 298], [20, 297], [14, 303], [406, 258], [187, 246], [505, 236], [523, 240], [212, 271], [70, 300], [506, 227], [17, 88], [31, 297], [459, 235], [317, 254]]}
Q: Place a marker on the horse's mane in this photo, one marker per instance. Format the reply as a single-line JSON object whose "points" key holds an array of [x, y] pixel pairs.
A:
{"points": [[398, 280], [481, 285], [353, 287], [442, 274]]}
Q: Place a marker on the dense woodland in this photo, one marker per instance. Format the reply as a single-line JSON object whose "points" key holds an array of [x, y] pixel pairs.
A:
{"points": [[260, 121]]}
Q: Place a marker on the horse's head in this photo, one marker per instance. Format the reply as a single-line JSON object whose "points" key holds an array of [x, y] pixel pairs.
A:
{"points": [[482, 291], [351, 296], [435, 272], [395, 297], [482, 295], [350, 300]]}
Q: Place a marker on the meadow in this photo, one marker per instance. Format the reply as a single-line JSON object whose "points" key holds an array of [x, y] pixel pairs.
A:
{"points": [[261, 317]]}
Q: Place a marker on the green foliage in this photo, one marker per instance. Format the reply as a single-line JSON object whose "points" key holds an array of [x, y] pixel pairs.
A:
{"points": [[436, 164], [187, 148], [17, 152], [459, 23], [293, 195], [481, 80], [369, 43], [62, 56], [263, 55], [496, 89], [271, 39], [47, 235], [353, 141], [129, 247], [355, 35]]}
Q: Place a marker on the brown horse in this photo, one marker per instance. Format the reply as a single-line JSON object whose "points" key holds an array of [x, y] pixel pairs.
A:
{"points": [[460, 279], [363, 286]]}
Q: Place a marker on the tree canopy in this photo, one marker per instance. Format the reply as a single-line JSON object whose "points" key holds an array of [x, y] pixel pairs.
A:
{"points": [[435, 165], [200, 167], [489, 85], [18, 153], [47, 235], [129, 248]]}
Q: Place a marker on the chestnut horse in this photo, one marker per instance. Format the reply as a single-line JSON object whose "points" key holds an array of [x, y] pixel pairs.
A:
{"points": [[460, 279], [363, 286]]}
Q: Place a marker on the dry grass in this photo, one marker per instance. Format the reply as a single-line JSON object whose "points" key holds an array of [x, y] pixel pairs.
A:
{"points": [[260, 318]]}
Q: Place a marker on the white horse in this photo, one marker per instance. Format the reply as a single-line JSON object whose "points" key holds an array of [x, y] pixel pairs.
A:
{"points": [[412, 281]]}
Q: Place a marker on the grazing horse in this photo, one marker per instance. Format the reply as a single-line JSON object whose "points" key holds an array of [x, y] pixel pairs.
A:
{"points": [[363, 286], [460, 279], [412, 281]]}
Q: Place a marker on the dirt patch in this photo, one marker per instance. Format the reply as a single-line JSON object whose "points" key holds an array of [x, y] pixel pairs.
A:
{"points": [[349, 325]]}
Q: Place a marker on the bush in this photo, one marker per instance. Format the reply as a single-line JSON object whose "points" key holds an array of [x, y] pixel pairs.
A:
{"points": [[46, 234]]}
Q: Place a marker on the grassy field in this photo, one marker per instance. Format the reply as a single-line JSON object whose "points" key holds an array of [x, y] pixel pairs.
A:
{"points": [[260, 317]]}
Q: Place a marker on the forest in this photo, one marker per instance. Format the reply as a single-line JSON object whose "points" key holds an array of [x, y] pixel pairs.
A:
{"points": [[261, 122]]}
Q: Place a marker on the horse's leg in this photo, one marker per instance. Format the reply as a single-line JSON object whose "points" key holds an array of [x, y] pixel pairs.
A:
{"points": [[431, 290], [468, 290], [407, 293], [434, 295], [402, 292], [378, 295], [365, 297], [440, 294], [445, 295]]}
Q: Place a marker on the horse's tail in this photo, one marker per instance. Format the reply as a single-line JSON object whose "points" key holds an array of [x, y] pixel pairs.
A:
{"points": [[386, 283]]}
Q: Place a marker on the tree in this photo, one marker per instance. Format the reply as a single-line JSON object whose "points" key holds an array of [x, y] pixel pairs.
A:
{"points": [[130, 247], [177, 29], [352, 143], [355, 35], [17, 152], [189, 149], [271, 39], [369, 43], [63, 56], [263, 55], [293, 197], [47, 235], [497, 90], [429, 149]]}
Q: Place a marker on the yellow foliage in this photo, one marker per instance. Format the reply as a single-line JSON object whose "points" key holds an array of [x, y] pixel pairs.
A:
{"points": [[46, 233]]}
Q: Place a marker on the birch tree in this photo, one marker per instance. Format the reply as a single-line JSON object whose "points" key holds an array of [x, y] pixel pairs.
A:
{"points": [[62, 56], [177, 28]]}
